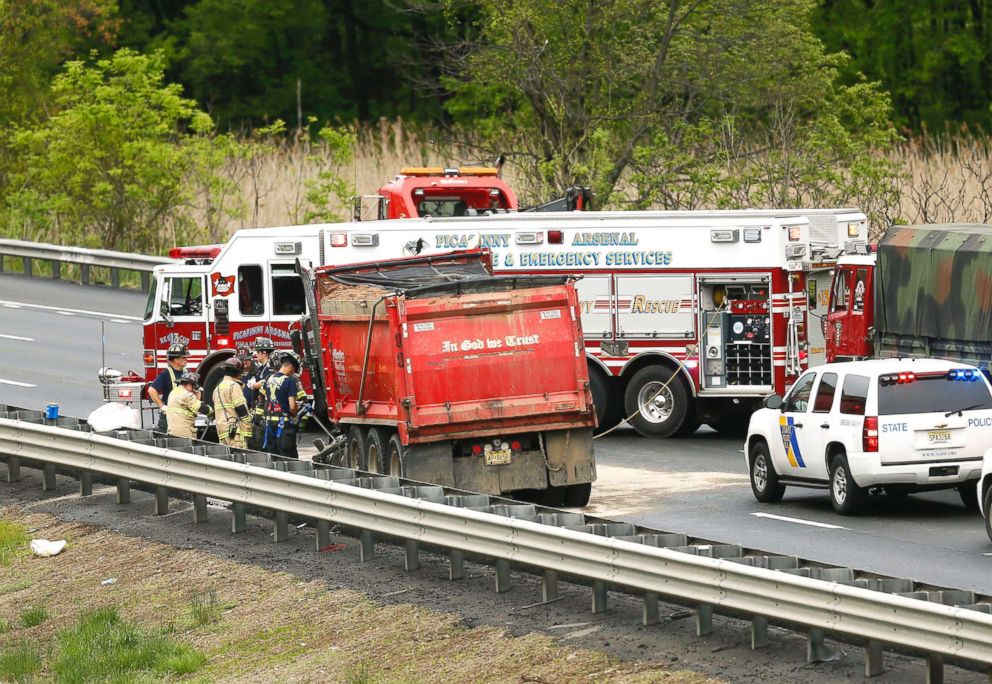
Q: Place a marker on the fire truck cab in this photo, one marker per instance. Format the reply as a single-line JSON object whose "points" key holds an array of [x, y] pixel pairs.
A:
{"points": [[418, 192], [688, 317]]}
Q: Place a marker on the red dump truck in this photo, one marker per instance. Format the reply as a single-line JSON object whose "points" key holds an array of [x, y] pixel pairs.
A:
{"points": [[438, 371]]}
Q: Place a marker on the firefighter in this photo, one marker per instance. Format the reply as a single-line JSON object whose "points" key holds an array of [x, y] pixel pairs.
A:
{"points": [[230, 407], [184, 404], [162, 386], [255, 385], [284, 397]]}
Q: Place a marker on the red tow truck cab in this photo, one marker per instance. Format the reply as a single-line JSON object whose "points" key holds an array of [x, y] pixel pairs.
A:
{"points": [[439, 192], [440, 372]]}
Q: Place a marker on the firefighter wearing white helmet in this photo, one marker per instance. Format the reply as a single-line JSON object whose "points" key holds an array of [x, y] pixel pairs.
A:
{"points": [[284, 397], [167, 380], [231, 408], [184, 404]]}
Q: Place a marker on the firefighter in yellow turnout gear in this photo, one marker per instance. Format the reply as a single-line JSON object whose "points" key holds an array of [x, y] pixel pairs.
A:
{"points": [[184, 404], [231, 408]]}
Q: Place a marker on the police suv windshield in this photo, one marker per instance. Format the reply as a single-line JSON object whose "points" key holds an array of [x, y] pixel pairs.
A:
{"points": [[931, 393]]}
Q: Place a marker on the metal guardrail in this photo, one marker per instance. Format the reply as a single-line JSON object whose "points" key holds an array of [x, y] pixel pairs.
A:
{"points": [[707, 584], [85, 258]]}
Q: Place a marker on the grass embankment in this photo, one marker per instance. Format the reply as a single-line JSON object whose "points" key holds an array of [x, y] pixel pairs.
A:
{"points": [[176, 614]]}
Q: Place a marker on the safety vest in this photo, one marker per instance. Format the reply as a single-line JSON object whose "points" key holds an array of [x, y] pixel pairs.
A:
{"points": [[264, 374]]}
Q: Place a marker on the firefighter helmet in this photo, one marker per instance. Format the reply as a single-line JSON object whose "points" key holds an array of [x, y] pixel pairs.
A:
{"points": [[187, 377], [263, 344], [290, 357], [177, 350], [233, 366]]}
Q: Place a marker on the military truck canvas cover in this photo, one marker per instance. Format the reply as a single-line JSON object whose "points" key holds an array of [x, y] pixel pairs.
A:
{"points": [[933, 292]]}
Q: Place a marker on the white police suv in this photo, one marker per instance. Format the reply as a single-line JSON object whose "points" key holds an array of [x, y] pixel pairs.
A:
{"points": [[905, 425]]}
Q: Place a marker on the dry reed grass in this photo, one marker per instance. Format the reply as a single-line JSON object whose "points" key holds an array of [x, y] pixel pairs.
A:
{"points": [[945, 179]]}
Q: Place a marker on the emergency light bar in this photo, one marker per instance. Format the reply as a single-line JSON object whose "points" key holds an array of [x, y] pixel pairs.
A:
{"points": [[856, 247], [439, 171]]}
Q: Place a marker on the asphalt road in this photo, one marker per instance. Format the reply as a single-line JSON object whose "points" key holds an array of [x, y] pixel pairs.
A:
{"points": [[50, 350]]}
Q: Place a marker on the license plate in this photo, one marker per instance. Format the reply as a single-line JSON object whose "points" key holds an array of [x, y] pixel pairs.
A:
{"points": [[938, 436], [498, 457]]}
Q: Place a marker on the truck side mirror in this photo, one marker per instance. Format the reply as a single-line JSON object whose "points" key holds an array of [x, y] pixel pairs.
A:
{"points": [[773, 402], [166, 315], [296, 340]]}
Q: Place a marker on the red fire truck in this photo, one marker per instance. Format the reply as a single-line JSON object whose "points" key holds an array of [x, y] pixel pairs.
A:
{"points": [[439, 372], [688, 317]]}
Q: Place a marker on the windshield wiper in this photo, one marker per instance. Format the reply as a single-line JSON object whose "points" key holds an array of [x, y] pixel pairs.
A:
{"points": [[966, 408]]}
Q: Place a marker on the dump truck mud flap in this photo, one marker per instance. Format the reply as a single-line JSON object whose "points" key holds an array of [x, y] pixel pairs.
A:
{"points": [[570, 456]]}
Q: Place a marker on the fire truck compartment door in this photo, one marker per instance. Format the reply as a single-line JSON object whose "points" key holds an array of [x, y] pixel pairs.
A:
{"points": [[596, 306], [655, 306]]}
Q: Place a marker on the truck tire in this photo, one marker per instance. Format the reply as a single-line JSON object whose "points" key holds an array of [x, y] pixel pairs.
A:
{"points": [[374, 452], [764, 480], [968, 491], [657, 402], [393, 461], [577, 495], [213, 378], [356, 447], [846, 496], [691, 423], [605, 399]]}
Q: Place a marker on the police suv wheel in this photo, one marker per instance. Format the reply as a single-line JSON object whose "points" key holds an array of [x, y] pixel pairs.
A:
{"points": [[846, 496], [356, 447], [764, 480], [987, 513], [657, 402]]}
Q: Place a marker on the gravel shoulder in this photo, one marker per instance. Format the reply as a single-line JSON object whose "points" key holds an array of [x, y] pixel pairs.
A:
{"points": [[293, 614]]}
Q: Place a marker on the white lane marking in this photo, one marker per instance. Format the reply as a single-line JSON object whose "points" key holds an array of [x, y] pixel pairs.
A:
{"points": [[799, 521], [119, 320], [65, 313], [15, 383], [60, 309], [16, 338]]}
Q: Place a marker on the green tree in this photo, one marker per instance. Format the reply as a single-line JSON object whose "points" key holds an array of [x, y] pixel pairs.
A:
{"points": [[680, 103], [120, 161]]}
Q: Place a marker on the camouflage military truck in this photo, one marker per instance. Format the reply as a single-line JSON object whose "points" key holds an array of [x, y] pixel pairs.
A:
{"points": [[925, 292]]}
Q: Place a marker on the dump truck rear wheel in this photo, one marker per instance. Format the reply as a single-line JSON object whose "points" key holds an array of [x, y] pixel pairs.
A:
{"points": [[577, 495], [374, 450], [394, 457], [356, 447], [605, 399]]}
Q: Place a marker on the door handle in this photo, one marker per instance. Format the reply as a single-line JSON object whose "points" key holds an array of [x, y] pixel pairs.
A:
{"points": [[825, 426], [797, 425]]}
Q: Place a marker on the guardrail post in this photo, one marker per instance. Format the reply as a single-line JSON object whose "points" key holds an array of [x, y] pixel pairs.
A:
{"points": [[549, 586], [598, 596], [816, 650], [27, 267], [1, 263], [13, 468], [84, 274], [456, 564], [161, 500], [704, 619], [935, 669], [86, 483], [502, 576], [123, 490], [48, 477], [649, 614], [874, 665], [199, 508], [366, 546], [144, 281], [115, 278], [411, 556], [56, 269], [759, 632], [280, 530], [239, 522], [323, 534]]}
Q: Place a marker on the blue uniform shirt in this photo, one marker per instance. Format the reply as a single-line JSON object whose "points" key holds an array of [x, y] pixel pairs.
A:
{"points": [[289, 388], [165, 381]]}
